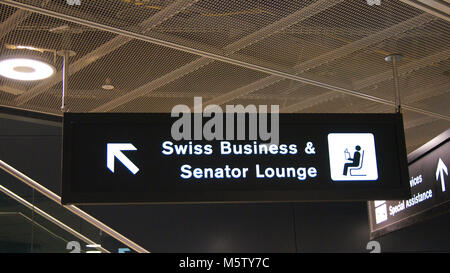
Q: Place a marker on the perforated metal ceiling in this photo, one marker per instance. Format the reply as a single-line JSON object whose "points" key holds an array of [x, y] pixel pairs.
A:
{"points": [[298, 54]]}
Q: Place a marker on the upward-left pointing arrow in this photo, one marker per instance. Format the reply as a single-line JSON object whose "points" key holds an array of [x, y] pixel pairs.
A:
{"points": [[115, 150]]}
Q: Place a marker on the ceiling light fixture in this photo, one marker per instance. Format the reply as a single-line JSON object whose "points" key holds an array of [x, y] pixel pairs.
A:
{"points": [[25, 69], [107, 85]]}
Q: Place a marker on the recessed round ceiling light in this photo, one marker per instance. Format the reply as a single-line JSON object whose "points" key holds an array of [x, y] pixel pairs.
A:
{"points": [[25, 69], [107, 85]]}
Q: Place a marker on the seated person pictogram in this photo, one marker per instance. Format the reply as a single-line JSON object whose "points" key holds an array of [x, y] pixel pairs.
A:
{"points": [[355, 163]]}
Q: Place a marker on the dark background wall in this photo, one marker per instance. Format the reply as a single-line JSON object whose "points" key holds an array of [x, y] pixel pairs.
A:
{"points": [[35, 149]]}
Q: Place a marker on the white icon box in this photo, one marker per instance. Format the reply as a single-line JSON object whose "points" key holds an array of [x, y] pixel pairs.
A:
{"points": [[381, 214], [352, 157]]}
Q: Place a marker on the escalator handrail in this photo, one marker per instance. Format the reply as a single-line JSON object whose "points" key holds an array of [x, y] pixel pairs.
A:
{"points": [[74, 209], [48, 216]]}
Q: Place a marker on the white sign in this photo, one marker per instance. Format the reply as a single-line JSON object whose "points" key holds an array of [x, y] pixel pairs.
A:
{"points": [[352, 157], [381, 213]]}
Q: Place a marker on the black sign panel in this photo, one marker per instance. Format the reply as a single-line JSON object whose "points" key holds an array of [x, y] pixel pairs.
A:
{"points": [[132, 158], [428, 170]]}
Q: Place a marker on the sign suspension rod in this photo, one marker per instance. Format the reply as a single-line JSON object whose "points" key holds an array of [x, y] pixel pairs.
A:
{"points": [[394, 58]]}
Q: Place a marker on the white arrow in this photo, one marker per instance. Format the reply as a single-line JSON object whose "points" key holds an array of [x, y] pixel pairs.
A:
{"points": [[440, 170], [115, 150]]}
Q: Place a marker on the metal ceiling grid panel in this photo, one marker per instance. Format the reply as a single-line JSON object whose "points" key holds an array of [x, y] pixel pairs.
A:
{"points": [[129, 67], [416, 84], [120, 14], [334, 105], [207, 81], [370, 61], [296, 97], [338, 43], [6, 12], [284, 87], [294, 50], [211, 79], [422, 41], [250, 19], [220, 23], [332, 28], [418, 135], [45, 102], [153, 104], [440, 102], [349, 104]]}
